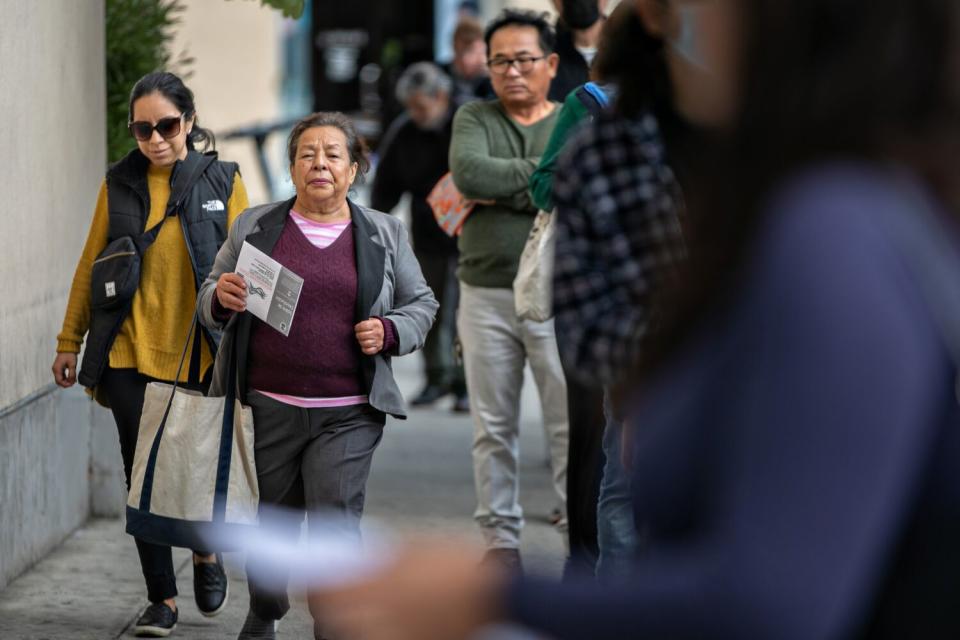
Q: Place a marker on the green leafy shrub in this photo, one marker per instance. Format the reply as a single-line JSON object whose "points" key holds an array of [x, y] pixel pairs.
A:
{"points": [[290, 8], [139, 35]]}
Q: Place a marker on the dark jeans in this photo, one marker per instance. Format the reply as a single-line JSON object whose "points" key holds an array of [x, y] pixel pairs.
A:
{"points": [[617, 535], [584, 471], [124, 389], [440, 272], [313, 459]]}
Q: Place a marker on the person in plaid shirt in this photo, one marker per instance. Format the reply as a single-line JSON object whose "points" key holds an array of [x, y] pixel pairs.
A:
{"points": [[618, 232]]}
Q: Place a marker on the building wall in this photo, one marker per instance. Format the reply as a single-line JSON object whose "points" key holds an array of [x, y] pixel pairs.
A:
{"points": [[52, 132], [235, 75], [59, 463], [52, 101]]}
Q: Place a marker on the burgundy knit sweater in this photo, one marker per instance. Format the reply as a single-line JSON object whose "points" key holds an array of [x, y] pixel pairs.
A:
{"points": [[321, 357]]}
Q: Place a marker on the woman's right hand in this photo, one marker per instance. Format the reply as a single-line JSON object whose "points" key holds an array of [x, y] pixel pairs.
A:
{"points": [[65, 369], [232, 292]]}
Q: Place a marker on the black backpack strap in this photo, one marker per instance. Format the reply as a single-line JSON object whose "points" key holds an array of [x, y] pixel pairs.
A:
{"points": [[592, 97], [186, 175]]}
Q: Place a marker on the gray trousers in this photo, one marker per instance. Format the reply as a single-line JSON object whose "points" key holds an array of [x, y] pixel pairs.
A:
{"points": [[316, 460], [439, 270], [496, 346]]}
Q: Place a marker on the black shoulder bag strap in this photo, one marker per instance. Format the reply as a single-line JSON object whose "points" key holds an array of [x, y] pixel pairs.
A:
{"points": [[928, 247], [190, 171]]}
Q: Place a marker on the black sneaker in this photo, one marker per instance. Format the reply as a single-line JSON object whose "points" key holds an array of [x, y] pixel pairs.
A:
{"points": [[505, 559], [256, 628], [158, 621], [461, 403], [210, 587]]}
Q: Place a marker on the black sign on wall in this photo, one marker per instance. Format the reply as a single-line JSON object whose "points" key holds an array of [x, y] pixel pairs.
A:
{"points": [[359, 46]]}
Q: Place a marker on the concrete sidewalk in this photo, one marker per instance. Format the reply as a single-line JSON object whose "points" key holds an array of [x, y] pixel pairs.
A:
{"points": [[422, 482]]}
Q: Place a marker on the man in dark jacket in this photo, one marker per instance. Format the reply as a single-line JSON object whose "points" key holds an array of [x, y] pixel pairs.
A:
{"points": [[413, 157], [578, 33]]}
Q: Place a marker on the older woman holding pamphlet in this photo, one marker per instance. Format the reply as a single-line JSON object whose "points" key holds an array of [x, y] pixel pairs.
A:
{"points": [[314, 295]]}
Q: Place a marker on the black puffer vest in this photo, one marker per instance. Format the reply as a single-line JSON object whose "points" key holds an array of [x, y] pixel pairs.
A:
{"points": [[203, 218]]}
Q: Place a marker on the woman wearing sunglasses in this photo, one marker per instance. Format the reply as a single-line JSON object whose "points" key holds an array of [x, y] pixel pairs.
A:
{"points": [[141, 340]]}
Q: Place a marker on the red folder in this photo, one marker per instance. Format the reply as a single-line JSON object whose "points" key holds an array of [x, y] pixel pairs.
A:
{"points": [[449, 206]]}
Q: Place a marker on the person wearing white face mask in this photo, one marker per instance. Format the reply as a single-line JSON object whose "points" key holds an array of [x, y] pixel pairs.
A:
{"points": [[796, 453], [578, 29]]}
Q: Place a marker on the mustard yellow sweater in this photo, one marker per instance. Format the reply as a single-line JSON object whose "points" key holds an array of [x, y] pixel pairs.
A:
{"points": [[152, 337]]}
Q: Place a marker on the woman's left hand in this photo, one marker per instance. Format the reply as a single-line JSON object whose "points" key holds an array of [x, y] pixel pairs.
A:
{"points": [[370, 336]]}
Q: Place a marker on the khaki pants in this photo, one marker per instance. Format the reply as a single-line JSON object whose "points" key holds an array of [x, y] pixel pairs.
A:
{"points": [[496, 346]]}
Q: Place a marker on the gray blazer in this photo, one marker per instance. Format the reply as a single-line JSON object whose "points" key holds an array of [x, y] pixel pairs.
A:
{"points": [[390, 285]]}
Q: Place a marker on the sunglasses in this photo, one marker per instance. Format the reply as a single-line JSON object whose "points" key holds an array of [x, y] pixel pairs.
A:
{"points": [[166, 127]]}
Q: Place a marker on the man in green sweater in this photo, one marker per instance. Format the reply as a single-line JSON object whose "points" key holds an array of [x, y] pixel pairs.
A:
{"points": [[495, 148]]}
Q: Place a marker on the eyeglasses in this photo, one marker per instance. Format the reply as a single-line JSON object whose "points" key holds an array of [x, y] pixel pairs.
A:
{"points": [[166, 127], [524, 64]]}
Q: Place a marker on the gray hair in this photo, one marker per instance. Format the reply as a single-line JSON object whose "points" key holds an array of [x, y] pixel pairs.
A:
{"points": [[422, 77]]}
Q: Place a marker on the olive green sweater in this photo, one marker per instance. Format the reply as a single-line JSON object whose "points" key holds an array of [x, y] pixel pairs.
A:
{"points": [[492, 158]]}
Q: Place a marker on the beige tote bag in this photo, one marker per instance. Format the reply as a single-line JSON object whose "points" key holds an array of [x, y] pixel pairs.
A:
{"points": [[194, 477], [533, 285]]}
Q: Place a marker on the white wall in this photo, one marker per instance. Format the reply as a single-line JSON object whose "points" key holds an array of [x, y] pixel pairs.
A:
{"points": [[235, 76], [52, 102], [52, 135]]}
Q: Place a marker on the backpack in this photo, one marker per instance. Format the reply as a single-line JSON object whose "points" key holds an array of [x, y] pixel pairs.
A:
{"points": [[593, 97]]}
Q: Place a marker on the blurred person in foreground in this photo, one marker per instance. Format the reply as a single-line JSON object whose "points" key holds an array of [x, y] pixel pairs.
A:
{"points": [[320, 395], [797, 451], [616, 240], [142, 340], [468, 69], [496, 145], [413, 157]]}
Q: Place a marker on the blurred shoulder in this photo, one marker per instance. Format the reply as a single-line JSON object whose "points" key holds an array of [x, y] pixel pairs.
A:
{"points": [[839, 197], [821, 229]]}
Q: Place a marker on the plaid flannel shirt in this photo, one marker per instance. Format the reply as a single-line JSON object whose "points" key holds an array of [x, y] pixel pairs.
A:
{"points": [[617, 231]]}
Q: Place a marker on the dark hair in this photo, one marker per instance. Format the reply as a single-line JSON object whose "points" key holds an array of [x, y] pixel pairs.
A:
{"points": [[820, 79], [579, 14], [423, 78], [356, 146], [172, 88], [467, 31], [520, 18], [632, 59]]}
